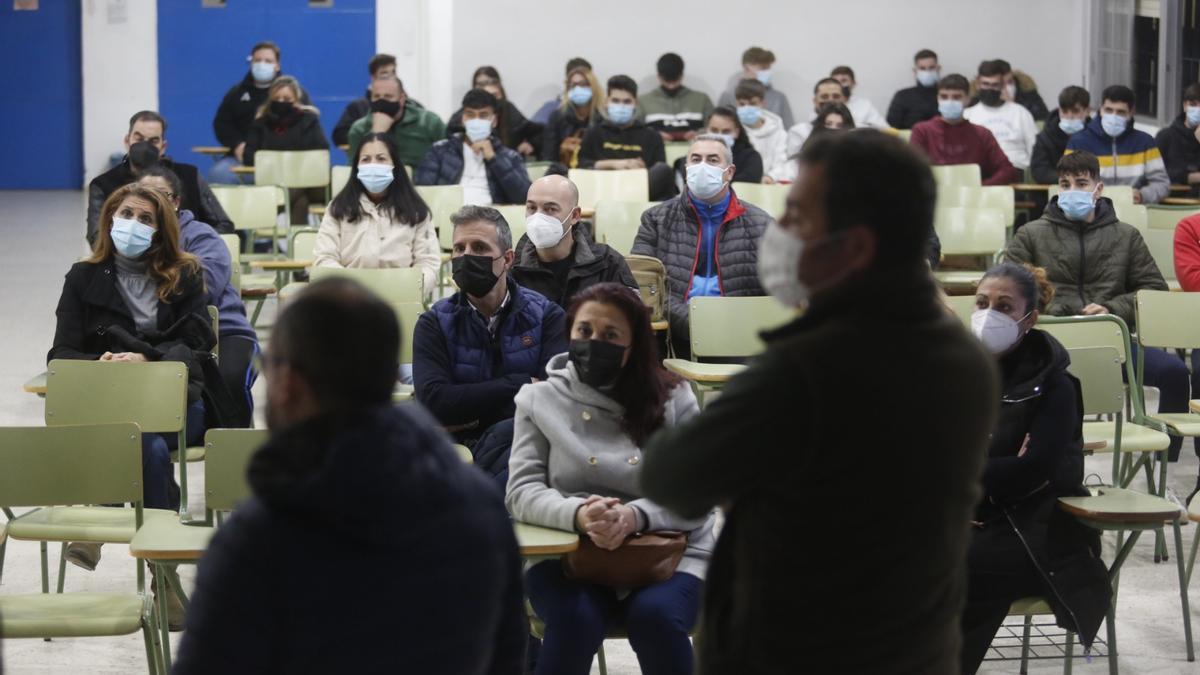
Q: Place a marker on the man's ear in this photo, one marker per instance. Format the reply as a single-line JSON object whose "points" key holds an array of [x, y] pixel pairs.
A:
{"points": [[162, 148], [861, 245], [1099, 189], [125, 140]]}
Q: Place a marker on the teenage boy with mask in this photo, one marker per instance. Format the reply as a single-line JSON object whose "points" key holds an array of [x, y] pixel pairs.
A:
{"points": [[950, 139], [1074, 110], [554, 257], [1127, 156], [917, 104], [1180, 142], [764, 130], [413, 128], [757, 64], [1009, 122], [489, 172], [673, 110], [1097, 265], [706, 237], [622, 142], [474, 350]]}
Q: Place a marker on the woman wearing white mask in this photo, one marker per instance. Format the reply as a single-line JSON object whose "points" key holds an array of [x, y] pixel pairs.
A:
{"points": [[378, 220], [1022, 544]]}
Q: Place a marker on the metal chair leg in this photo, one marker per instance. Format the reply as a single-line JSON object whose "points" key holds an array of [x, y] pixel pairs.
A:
{"points": [[1183, 596], [62, 567], [1025, 644], [600, 659], [1069, 654]]}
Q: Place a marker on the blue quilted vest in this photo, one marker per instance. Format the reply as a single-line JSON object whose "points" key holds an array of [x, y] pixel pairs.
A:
{"points": [[476, 356]]}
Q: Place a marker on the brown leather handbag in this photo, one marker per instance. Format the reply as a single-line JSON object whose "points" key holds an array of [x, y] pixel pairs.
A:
{"points": [[642, 560]]}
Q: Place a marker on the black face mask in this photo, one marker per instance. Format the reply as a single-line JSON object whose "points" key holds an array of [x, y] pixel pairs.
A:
{"points": [[389, 108], [474, 275], [142, 155], [989, 97], [846, 93], [598, 363], [281, 109]]}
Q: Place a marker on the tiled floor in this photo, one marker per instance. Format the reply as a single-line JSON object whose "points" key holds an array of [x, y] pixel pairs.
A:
{"points": [[43, 233]]}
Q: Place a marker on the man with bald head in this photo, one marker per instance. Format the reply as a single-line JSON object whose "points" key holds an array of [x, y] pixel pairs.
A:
{"points": [[554, 257]]}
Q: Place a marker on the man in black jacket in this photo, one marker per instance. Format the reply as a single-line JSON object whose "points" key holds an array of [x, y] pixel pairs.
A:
{"points": [[383, 492], [1074, 111], [919, 103], [381, 66], [236, 112], [772, 451], [555, 258], [1180, 142], [622, 142], [145, 145]]}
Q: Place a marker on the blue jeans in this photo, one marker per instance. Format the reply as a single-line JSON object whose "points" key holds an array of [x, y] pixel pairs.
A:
{"points": [[1169, 374], [158, 475], [221, 172], [577, 616]]}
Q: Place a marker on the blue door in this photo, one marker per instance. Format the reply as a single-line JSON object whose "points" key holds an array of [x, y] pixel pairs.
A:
{"points": [[41, 118]]}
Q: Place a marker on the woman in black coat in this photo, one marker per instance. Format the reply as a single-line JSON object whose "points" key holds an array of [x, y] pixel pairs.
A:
{"points": [[1021, 540], [284, 123]]}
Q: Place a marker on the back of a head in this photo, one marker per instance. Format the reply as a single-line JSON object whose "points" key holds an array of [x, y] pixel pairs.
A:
{"points": [[343, 340], [878, 181], [670, 67]]}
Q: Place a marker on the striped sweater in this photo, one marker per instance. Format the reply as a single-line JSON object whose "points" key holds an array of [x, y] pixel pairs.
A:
{"points": [[1129, 159]]}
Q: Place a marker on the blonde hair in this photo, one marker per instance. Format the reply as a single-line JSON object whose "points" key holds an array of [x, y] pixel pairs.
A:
{"points": [[596, 104], [281, 82], [166, 261]]}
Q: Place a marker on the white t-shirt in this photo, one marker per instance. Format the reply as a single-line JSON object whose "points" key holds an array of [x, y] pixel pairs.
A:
{"points": [[474, 178], [865, 114], [1013, 127]]}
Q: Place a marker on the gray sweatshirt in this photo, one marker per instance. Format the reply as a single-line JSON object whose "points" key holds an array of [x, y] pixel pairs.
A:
{"points": [[139, 292], [568, 444]]}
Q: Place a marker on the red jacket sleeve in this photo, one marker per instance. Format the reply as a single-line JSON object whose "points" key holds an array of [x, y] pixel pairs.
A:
{"points": [[995, 167], [1187, 253]]}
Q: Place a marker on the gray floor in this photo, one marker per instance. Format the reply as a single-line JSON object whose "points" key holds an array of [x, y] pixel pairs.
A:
{"points": [[43, 233]]}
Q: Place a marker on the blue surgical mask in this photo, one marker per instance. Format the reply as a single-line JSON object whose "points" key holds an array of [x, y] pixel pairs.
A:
{"points": [[1070, 125], [262, 71], [764, 76], [477, 129], [705, 180], [728, 138], [1114, 125], [1193, 115], [950, 110], [927, 78], [131, 238], [620, 114], [580, 95], [1076, 204], [376, 177], [749, 114]]}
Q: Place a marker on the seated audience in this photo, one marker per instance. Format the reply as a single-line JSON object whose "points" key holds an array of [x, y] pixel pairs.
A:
{"points": [[622, 142], [1020, 88], [542, 116], [378, 220], [236, 340], [832, 118], [474, 350], [414, 128], [555, 258], [825, 91], [1035, 456], [950, 139], [765, 131], [917, 104], [706, 237], [673, 110], [756, 65], [381, 66], [1180, 142], [861, 108], [239, 110], [343, 463], [138, 298], [748, 164], [476, 158], [514, 130], [585, 478], [775, 444], [284, 123], [1098, 264], [578, 110], [1010, 123], [1127, 156], [1074, 111], [146, 145]]}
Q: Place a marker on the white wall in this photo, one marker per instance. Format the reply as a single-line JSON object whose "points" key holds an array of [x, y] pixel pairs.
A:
{"points": [[529, 41], [120, 73], [418, 34]]}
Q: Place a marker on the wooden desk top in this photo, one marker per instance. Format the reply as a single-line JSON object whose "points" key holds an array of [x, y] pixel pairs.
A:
{"points": [[1119, 505], [210, 149], [534, 540], [170, 539], [1181, 188], [703, 372], [1031, 187], [1181, 201], [243, 169], [1095, 446], [278, 265], [37, 384]]}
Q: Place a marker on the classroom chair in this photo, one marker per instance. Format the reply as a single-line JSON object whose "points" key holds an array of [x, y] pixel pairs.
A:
{"points": [[252, 208], [627, 185], [227, 452], [957, 174], [514, 215], [1159, 217], [1169, 321], [999, 197], [617, 223], [676, 150], [966, 231], [1162, 248], [338, 177], [443, 201], [770, 198], [292, 170]]}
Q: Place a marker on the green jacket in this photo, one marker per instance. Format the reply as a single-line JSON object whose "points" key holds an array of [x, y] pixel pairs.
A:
{"points": [[1105, 262], [848, 485], [416, 131]]}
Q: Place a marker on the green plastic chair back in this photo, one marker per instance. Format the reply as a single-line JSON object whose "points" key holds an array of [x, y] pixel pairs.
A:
{"points": [[957, 174], [627, 185], [1106, 330], [250, 207], [985, 196], [338, 177], [617, 223], [1166, 319], [408, 313], [1167, 217], [1099, 373], [724, 327], [970, 231], [393, 284], [292, 168], [963, 306], [304, 241], [1162, 248], [153, 395], [443, 201], [769, 198], [904, 135], [536, 170], [71, 464], [233, 244], [676, 149], [227, 452], [514, 215]]}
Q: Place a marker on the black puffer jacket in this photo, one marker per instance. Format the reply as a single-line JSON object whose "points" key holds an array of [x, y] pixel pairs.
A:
{"points": [[591, 263], [1180, 151], [671, 233], [1049, 147]]}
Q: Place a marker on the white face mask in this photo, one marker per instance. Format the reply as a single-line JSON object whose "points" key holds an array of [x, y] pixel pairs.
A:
{"points": [[996, 330], [779, 266], [545, 231]]}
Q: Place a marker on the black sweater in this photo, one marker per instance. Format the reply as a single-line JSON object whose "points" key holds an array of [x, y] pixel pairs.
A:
{"points": [[1047, 150], [608, 141], [300, 130], [1180, 150], [912, 105], [236, 113]]}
